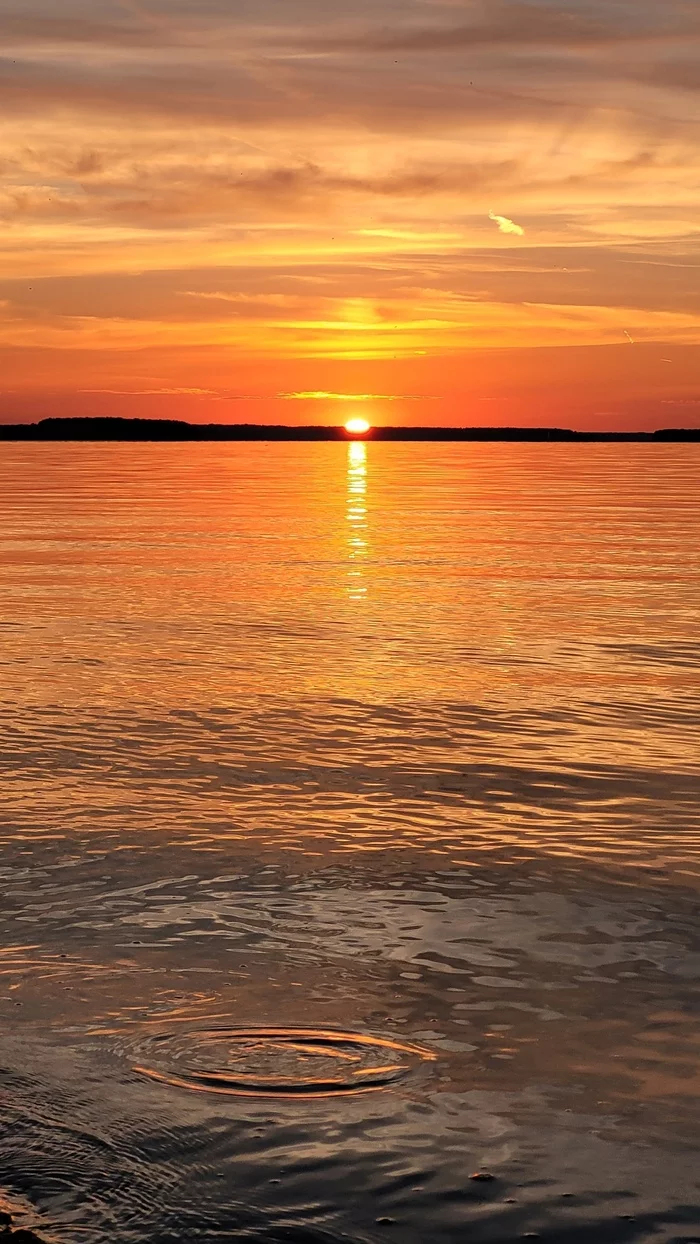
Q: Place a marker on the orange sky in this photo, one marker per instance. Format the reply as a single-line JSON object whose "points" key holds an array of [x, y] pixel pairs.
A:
{"points": [[461, 211]]}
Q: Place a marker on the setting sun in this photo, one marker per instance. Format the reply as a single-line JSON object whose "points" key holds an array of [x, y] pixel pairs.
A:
{"points": [[357, 427]]}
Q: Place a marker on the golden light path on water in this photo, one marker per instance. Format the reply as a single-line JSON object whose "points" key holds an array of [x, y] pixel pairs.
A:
{"points": [[358, 545]]}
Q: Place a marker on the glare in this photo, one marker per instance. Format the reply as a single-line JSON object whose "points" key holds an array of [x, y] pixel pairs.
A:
{"points": [[357, 544], [357, 427]]}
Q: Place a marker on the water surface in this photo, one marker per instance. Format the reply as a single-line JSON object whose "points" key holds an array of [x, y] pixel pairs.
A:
{"points": [[350, 841]]}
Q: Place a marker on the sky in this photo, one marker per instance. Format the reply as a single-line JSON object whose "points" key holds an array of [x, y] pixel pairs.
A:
{"points": [[467, 212]]}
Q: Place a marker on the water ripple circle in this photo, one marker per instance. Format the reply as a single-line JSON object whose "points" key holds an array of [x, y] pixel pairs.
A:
{"points": [[280, 1062]]}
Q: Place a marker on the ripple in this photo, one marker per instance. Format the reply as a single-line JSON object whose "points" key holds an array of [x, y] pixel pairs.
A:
{"points": [[280, 1062]]}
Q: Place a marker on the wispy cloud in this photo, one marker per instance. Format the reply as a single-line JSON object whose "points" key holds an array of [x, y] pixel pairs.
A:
{"points": [[165, 392], [511, 23], [319, 395], [505, 225]]}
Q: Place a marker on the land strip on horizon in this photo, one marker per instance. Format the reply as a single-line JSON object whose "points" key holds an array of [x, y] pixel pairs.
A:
{"points": [[121, 429]]}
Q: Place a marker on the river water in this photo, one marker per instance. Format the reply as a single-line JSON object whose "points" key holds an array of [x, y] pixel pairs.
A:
{"points": [[350, 842]]}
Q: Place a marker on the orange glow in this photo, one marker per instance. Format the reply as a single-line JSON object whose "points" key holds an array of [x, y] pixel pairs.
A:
{"points": [[357, 427], [340, 222]]}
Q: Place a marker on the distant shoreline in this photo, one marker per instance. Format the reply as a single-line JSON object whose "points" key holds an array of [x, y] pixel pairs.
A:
{"points": [[118, 429]]}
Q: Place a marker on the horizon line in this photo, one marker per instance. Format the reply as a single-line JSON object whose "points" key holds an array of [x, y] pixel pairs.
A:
{"points": [[127, 428]]}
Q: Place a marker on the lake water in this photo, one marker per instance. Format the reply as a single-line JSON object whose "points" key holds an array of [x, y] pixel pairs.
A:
{"points": [[350, 842]]}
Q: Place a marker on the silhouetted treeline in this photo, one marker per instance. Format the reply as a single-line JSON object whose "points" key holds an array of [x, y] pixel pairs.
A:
{"points": [[118, 429]]}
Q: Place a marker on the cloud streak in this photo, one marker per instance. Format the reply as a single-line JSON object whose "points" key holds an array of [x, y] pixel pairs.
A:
{"points": [[505, 225], [515, 24], [322, 396]]}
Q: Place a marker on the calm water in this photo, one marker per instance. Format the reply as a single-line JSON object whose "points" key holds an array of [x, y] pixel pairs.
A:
{"points": [[350, 842]]}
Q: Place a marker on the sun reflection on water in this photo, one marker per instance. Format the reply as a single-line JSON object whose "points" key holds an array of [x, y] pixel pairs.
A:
{"points": [[356, 515]]}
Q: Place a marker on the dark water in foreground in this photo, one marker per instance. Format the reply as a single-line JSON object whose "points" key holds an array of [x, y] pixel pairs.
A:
{"points": [[350, 842]]}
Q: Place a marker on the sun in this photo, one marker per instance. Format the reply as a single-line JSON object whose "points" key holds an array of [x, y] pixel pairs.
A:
{"points": [[357, 427]]}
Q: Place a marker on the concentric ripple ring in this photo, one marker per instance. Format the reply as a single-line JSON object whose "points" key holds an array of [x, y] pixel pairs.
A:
{"points": [[280, 1062]]}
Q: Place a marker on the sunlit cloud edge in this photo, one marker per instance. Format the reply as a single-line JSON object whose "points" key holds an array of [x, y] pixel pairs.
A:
{"points": [[320, 395]]}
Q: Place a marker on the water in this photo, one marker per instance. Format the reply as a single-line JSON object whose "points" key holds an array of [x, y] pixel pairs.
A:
{"points": [[350, 842]]}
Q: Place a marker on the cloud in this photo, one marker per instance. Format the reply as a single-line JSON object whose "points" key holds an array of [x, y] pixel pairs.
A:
{"points": [[676, 73], [23, 29], [505, 225], [262, 94], [164, 392], [247, 301], [321, 396], [516, 24], [82, 186]]}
